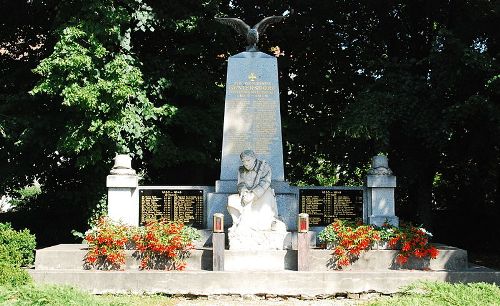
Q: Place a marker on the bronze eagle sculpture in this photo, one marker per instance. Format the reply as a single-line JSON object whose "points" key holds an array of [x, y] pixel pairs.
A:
{"points": [[251, 34]]}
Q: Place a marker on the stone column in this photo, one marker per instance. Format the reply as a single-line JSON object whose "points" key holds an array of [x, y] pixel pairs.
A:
{"points": [[303, 242], [123, 197], [380, 185]]}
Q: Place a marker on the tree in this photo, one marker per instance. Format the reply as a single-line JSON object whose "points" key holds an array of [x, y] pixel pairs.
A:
{"points": [[103, 99], [417, 80], [432, 77]]}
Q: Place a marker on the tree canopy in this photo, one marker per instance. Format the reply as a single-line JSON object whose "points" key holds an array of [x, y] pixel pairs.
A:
{"points": [[416, 80]]}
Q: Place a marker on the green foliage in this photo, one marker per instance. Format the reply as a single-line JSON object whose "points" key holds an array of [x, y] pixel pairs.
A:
{"points": [[13, 276], [440, 293], [328, 235], [417, 81], [16, 247], [16, 250], [25, 195], [105, 91], [99, 211]]}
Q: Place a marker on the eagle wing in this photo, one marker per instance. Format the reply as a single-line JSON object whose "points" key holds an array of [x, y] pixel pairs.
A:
{"points": [[237, 24], [264, 23]]}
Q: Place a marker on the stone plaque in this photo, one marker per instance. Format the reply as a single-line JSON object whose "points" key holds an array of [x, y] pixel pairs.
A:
{"points": [[252, 117], [176, 205], [324, 206]]}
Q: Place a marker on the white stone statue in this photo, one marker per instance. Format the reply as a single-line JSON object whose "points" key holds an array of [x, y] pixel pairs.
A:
{"points": [[253, 209]]}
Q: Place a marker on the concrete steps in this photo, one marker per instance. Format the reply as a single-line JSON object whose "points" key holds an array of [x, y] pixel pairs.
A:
{"points": [[374, 271]]}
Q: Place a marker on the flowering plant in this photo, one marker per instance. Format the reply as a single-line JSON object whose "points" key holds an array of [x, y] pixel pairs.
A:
{"points": [[414, 242], [387, 232], [164, 244], [328, 236], [350, 239], [106, 241], [160, 244]]}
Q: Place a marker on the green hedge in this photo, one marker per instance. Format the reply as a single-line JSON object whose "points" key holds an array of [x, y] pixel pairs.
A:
{"points": [[17, 248]]}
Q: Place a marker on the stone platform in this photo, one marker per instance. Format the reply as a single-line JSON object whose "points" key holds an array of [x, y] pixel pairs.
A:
{"points": [[374, 271], [71, 256], [291, 283]]}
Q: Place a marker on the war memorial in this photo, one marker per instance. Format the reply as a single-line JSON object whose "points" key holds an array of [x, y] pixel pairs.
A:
{"points": [[259, 234]]}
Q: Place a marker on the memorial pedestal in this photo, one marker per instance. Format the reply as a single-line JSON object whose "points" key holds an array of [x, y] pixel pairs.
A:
{"points": [[257, 240], [380, 185], [123, 200]]}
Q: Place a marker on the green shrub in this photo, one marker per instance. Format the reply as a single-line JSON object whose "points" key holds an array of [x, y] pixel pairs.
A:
{"points": [[16, 247], [14, 276]]}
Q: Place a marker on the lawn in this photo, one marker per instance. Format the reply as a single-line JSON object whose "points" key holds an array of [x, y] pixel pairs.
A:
{"points": [[426, 293], [439, 293]]}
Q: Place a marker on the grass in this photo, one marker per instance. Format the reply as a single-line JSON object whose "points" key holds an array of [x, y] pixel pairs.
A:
{"points": [[138, 300], [52, 295], [439, 293], [422, 294], [49, 295]]}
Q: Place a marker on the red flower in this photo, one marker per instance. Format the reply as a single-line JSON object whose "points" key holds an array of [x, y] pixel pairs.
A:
{"points": [[419, 253], [433, 252], [401, 259], [393, 242], [344, 262]]}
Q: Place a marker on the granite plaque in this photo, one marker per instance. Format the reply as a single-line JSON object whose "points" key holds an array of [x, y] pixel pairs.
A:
{"points": [[324, 206], [175, 205]]}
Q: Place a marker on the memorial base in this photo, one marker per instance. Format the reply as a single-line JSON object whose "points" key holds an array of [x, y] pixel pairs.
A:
{"points": [[247, 239], [380, 220]]}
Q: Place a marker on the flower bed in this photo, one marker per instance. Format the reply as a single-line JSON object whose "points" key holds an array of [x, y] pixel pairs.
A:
{"points": [[164, 245], [160, 244], [348, 240]]}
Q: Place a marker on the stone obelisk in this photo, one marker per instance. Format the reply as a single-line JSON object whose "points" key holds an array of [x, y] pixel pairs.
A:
{"points": [[252, 113]]}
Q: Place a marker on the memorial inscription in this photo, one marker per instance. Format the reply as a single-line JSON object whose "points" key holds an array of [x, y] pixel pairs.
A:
{"points": [[185, 206], [252, 97], [324, 206], [252, 113]]}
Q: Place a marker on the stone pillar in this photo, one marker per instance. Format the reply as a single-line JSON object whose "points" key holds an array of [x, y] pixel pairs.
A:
{"points": [[380, 185], [123, 196], [303, 242], [218, 242]]}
